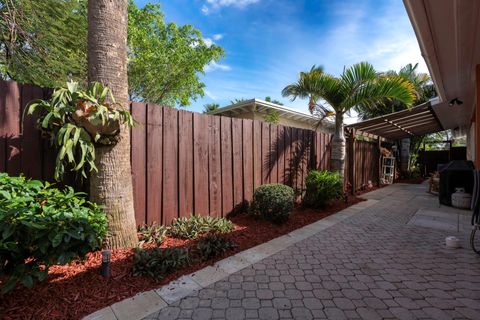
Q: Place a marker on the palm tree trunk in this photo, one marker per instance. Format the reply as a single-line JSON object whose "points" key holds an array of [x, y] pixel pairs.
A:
{"points": [[338, 146], [107, 63]]}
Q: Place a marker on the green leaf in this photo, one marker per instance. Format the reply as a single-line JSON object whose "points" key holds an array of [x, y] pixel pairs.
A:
{"points": [[57, 240], [9, 285], [72, 86], [46, 120], [27, 281], [5, 195], [7, 232]]}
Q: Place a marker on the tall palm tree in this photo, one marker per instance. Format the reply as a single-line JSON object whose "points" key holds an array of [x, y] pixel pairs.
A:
{"points": [[423, 89], [107, 64], [329, 96]]}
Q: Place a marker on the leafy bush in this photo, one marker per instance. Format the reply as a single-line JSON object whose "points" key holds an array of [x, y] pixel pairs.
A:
{"points": [[41, 226], [415, 173], [322, 187], [152, 233], [273, 202], [195, 226], [158, 262], [214, 245]]}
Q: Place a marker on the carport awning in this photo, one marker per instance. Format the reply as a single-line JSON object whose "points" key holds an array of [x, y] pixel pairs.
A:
{"points": [[416, 121]]}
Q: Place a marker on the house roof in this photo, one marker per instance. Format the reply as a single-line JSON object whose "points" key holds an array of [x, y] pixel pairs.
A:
{"points": [[447, 32], [257, 105], [418, 120]]}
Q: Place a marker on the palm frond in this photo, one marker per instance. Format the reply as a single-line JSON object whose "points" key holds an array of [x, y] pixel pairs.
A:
{"points": [[373, 92]]}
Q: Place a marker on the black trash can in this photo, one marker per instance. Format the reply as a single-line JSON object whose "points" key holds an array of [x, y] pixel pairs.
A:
{"points": [[455, 174]]}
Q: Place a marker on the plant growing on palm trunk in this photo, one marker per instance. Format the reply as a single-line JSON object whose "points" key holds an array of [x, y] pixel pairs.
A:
{"points": [[331, 96]]}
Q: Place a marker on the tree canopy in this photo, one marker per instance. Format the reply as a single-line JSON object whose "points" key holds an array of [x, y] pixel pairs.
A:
{"points": [[165, 60], [44, 43]]}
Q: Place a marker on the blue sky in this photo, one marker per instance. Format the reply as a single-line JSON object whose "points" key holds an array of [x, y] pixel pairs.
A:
{"points": [[268, 42]]}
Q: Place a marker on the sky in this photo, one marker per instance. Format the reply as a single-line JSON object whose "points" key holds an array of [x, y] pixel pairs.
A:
{"points": [[268, 42]]}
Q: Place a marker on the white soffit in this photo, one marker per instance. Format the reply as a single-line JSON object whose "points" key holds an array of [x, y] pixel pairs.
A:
{"points": [[448, 35]]}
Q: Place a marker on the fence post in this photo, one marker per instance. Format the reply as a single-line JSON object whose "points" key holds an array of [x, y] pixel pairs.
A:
{"points": [[379, 171], [351, 160]]}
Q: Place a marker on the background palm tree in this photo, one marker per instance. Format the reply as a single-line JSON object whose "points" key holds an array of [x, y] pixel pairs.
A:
{"points": [[358, 85], [424, 90], [210, 107], [107, 64]]}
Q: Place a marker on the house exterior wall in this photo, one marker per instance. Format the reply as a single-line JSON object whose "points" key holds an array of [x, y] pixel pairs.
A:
{"points": [[476, 135]]}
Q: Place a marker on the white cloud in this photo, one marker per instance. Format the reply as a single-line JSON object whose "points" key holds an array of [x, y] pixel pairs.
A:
{"points": [[208, 42], [210, 95], [205, 10], [215, 5], [212, 66], [233, 3], [217, 36]]}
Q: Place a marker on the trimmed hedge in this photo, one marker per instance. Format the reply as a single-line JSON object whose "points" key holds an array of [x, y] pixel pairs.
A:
{"points": [[322, 187], [41, 226], [273, 202]]}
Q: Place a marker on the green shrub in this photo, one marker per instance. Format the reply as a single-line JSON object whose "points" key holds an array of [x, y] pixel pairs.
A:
{"points": [[41, 226], [159, 262], [152, 233], [214, 245], [195, 226], [273, 202], [322, 187]]}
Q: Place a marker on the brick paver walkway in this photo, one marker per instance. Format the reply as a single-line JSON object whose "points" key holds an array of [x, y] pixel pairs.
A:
{"points": [[369, 266]]}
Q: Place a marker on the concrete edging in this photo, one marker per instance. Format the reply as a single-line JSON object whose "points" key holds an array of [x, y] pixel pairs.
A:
{"points": [[145, 303]]}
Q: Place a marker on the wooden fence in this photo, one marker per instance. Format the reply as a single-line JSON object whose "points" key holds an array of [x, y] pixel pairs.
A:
{"points": [[362, 163], [182, 162]]}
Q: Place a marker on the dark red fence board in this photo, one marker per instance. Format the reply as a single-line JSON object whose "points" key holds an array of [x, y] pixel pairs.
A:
{"points": [[170, 165], [139, 160], [215, 166], [185, 163], [257, 154], [227, 165], [154, 163], [248, 159], [237, 162], [12, 129], [31, 163], [265, 153], [200, 167]]}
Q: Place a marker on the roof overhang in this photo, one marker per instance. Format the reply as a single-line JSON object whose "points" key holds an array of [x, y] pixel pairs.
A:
{"points": [[261, 106], [416, 121], [448, 34]]}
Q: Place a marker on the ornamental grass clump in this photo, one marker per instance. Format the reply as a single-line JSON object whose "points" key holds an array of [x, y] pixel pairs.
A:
{"points": [[273, 202], [159, 262], [322, 187], [41, 226], [214, 245], [195, 226]]}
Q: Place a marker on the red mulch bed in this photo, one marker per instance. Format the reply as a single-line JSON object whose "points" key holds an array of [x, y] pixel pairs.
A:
{"points": [[77, 289]]}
